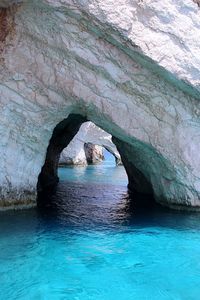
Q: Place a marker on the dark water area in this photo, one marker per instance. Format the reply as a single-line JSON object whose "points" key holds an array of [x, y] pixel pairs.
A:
{"points": [[94, 241]]}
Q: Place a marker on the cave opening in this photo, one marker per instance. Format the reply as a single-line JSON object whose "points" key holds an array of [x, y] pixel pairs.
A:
{"points": [[91, 145], [63, 135]]}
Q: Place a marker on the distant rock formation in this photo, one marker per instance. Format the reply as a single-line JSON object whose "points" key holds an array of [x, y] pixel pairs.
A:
{"points": [[95, 138], [93, 153], [130, 67], [197, 2]]}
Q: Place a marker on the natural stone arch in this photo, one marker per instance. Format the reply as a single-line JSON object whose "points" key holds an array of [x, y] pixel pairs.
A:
{"points": [[62, 135], [117, 157], [77, 59], [148, 172], [89, 133]]}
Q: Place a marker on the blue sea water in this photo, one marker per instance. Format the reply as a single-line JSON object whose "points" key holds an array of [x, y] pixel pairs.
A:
{"points": [[94, 243]]}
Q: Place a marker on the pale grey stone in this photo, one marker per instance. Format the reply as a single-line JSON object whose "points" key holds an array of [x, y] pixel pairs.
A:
{"points": [[74, 153], [131, 67]]}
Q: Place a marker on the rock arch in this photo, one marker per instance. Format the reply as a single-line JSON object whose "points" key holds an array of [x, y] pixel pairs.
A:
{"points": [[62, 59], [62, 135], [88, 134], [116, 154]]}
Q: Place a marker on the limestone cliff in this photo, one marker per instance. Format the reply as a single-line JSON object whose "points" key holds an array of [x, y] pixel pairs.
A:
{"points": [[131, 67]]}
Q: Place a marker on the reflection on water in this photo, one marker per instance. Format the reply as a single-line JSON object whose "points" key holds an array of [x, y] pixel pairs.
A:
{"points": [[110, 207], [101, 173], [94, 242]]}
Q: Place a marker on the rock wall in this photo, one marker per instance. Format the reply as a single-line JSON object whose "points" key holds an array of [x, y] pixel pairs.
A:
{"points": [[89, 133], [131, 67]]}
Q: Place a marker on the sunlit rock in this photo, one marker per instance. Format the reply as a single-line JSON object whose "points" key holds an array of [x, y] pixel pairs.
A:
{"points": [[74, 153], [93, 153], [131, 67]]}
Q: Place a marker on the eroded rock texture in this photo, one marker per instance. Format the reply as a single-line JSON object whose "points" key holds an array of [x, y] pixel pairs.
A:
{"points": [[131, 67], [75, 154], [94, 153]]}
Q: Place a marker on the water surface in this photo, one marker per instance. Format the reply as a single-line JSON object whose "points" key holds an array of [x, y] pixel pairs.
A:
{"points": [[94, 242]]}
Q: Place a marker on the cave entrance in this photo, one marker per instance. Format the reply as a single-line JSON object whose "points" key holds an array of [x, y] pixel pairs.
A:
{"points": [[62, 135], [101, 173], [90, 145]]}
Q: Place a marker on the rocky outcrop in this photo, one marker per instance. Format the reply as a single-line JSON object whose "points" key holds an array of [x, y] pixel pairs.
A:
{"points": [[74, 153], [197, 2], [131, 67], [93, 153]]}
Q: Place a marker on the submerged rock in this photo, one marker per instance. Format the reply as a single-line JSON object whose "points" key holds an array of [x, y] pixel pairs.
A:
{"points": [[131, 67]]}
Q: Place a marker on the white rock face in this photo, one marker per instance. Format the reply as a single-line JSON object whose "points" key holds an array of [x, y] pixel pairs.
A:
{"points": [[131, 67], [88, 133]]}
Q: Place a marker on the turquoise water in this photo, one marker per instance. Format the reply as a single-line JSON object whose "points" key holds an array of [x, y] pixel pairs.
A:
{"points": [[106, 172], [94, 243]]}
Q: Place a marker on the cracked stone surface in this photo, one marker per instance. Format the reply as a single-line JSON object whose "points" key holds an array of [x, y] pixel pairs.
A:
{"points": [[131, 67], [75, 154]]}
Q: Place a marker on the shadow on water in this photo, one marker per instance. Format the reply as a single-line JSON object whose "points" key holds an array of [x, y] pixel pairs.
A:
{"points": [[90, 239], [104, 206]]}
